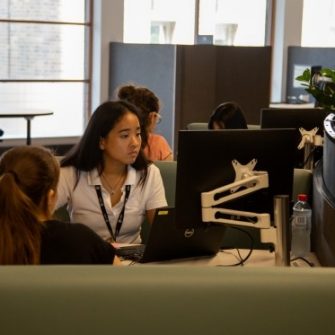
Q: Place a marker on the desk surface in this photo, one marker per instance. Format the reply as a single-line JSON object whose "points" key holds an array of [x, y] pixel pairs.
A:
{"points": [[258, 258]]}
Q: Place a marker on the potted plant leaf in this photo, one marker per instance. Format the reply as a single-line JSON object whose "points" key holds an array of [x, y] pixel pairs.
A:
{"points": [[321, 86]]}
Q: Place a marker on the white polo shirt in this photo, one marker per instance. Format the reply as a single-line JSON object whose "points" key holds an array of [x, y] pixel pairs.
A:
{"points": [[83, 204]]}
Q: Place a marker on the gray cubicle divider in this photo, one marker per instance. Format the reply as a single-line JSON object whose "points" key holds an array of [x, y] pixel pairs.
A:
{"points": [[149, 65], [299, 58], [191, 80]]}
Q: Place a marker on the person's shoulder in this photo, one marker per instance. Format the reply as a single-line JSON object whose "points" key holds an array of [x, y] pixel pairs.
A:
{"points": [[154, 173], [72, 173], [158, 138], [153, 168], [73, 243], [55, 224], [56, 227], [68, 171], [61, 225]]}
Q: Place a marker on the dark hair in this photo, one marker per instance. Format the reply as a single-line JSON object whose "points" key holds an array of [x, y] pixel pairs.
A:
{"points": [[26, 175], [87, 155], [229, 115], [144, 99]]}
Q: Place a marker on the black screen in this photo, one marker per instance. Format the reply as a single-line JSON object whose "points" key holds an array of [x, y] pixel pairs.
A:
{"points": [[205, 162]]}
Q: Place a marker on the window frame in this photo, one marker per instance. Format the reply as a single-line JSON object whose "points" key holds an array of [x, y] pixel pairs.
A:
{"points": [[88, 55]]}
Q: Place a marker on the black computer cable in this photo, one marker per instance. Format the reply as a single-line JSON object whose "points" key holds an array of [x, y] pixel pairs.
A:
{"points": [[251, 248]]}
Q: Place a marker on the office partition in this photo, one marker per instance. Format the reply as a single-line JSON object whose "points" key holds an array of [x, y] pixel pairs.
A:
{"points": [[191, 80]]}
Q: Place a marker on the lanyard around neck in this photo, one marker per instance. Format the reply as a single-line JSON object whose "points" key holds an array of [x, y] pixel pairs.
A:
{"points": [[105, 215]]}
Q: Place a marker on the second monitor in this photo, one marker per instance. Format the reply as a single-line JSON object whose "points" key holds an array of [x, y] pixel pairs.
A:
{"points": [[307, 118]]}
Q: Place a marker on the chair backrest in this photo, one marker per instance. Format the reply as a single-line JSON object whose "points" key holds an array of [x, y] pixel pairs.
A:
{"points": [[254, 126], [197, 126], [204, 126], [168, 171], [302, 183]]}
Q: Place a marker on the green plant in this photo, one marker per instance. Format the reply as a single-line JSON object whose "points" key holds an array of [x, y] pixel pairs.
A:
{"points": [[321, 86]]}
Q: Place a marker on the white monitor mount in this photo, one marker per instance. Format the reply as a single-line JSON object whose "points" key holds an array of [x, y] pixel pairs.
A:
{"points": [[251, 181], [309, 140]]}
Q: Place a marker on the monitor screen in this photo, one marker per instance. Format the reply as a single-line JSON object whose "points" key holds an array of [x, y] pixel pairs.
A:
{"points": [[205, 163], [307, 118]]}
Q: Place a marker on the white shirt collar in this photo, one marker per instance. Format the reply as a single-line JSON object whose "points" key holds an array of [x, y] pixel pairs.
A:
{"points": [[93, 177]]}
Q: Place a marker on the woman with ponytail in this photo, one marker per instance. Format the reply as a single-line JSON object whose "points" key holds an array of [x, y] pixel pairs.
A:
{"points": [[28, 184]]}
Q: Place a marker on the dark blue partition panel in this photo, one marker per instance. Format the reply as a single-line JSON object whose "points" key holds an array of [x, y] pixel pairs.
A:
{"points": [[299, 58], [149, 65]]}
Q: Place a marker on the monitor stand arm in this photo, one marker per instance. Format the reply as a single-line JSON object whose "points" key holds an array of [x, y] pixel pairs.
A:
{"points": [[252, 181], [309, 140]]}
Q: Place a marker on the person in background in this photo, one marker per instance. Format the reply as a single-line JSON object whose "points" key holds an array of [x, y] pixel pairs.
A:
{"points": [[155, 146], [28, 183], [106, 180], [228, 115]]}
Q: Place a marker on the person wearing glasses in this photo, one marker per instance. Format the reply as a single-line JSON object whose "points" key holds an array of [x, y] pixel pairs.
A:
{"points": [[155, 146]]}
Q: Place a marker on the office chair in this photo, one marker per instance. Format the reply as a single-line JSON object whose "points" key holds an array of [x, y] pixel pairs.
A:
{"points": [[204, 126], [168, 171], [197, 126], [302, 183]]}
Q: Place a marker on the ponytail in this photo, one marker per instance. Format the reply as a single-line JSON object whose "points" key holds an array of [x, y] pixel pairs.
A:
{"points": [[27, 174], [20, 229]]}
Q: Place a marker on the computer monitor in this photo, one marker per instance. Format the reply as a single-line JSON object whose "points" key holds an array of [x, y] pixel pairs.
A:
{"points": [[205, 163], [307, 118]]}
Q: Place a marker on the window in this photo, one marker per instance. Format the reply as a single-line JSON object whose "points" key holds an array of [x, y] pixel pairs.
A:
{"points": [[159, 21], [318, 27], [225, 22], [44, 65], [230, 22]]}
